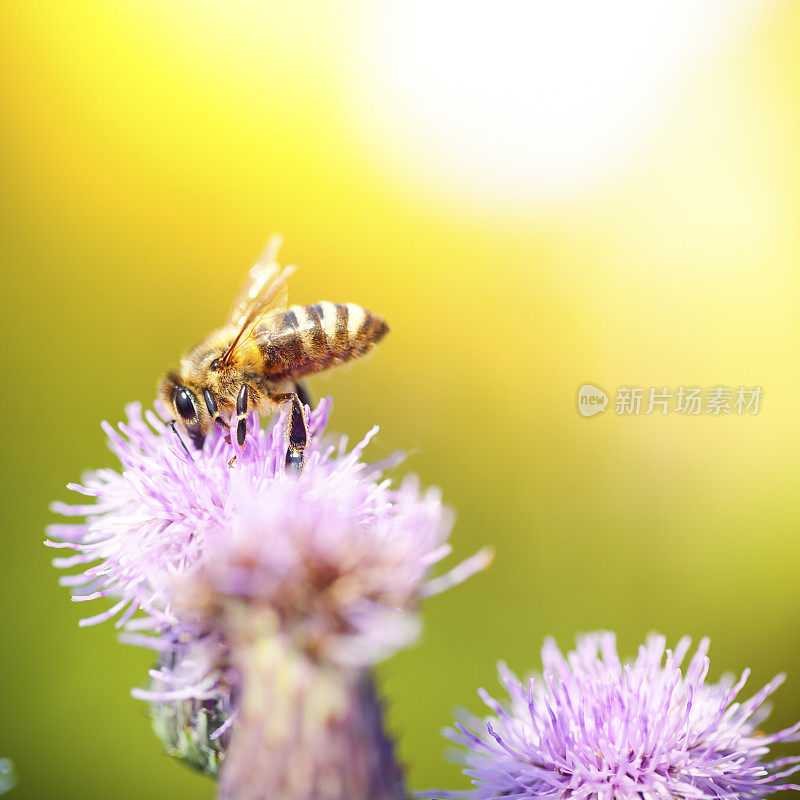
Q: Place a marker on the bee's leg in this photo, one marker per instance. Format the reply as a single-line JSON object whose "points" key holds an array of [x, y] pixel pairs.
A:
{"points": [[303, 394], [211, 405], [298, 437], [298, 432], [241, 415]]}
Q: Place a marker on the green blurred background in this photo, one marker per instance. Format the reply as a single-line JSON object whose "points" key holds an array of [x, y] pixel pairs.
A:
{"points": [[535, 197]]}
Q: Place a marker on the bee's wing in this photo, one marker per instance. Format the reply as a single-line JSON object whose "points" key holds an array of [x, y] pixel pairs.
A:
{"points": [[259, 282], [264, 291]]}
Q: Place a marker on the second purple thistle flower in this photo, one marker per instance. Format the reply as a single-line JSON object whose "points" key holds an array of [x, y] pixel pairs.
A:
{"points": [[591, 727]]}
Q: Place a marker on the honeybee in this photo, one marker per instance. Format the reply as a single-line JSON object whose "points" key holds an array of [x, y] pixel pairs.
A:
{"points": [[255, 361]]}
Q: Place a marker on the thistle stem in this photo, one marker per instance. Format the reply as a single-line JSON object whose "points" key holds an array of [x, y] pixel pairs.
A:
{"points": [[305, 730]]}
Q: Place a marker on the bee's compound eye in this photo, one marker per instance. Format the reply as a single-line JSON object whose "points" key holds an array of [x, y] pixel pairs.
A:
{"points": [[184, 403]]}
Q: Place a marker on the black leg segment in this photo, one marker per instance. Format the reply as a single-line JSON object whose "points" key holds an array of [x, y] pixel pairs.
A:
{"points": [[211, 405], [241, 415], [297, 432], [303, 394], [298, 437]]}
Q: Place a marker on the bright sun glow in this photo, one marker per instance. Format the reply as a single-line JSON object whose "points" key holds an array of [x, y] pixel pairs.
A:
{"points": [[530, 99]]}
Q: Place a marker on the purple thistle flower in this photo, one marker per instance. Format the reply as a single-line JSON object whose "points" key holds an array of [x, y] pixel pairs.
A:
{"points": [[268, 597], [341, 536], [593, 727]]}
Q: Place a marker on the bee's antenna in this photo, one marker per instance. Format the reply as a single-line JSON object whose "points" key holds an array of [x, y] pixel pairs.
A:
{"points": [[180, 439]]}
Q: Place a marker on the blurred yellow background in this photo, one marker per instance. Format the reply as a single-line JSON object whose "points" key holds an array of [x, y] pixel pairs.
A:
{"points": [[534, 198]]}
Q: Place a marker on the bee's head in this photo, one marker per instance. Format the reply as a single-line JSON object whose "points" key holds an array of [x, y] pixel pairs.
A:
{"points": [[185, 405]]}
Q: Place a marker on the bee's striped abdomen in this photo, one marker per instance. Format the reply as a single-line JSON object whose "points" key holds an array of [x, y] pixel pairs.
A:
{"points": [[306, 339]]}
